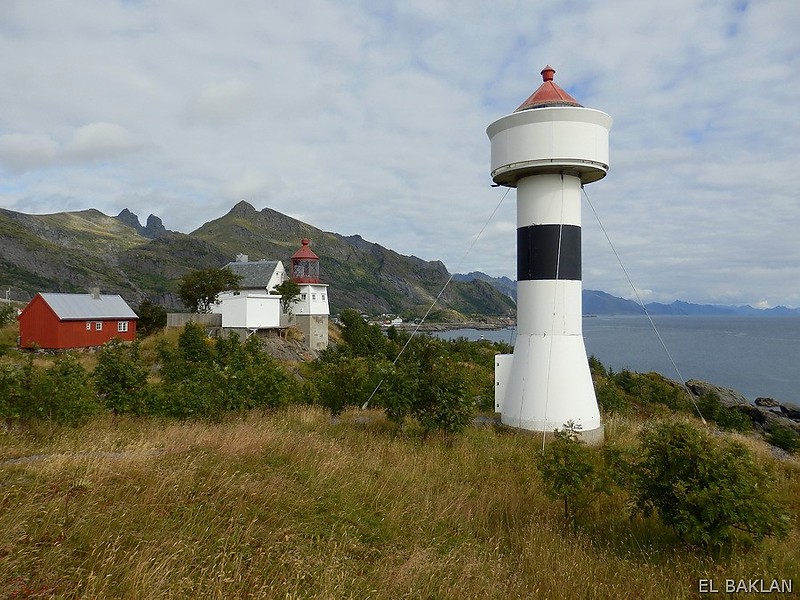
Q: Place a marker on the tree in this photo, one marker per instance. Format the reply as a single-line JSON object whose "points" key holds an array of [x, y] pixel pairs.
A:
{"points": [[63, 392], [569, 471], [428, 386], [362, 339], [120, 377], [152, 318], [199, 289], [709, 491], [7, 314], [289, 292]]}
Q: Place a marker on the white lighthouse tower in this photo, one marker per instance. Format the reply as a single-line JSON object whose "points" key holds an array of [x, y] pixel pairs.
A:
{"points": [[312, 309], [548, 149]]}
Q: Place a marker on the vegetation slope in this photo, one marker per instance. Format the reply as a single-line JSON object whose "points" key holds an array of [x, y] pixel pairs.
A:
{"points": [[108, 492]]}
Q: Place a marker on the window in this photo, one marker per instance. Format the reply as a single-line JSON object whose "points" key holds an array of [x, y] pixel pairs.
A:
{"points": [[122, 326], [88, 325], [98, 326], [314, 297], [323, 297], [302, 296]]}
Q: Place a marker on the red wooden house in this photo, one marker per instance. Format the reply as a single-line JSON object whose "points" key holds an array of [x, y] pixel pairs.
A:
{"points": [[60, 321]]}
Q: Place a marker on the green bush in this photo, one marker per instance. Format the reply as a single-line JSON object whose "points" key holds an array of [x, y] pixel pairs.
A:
{"points": [[569, 471], [7, 314], [361, 338], [152, 318], [11, 393], [63, 393], [611, 398], [709, 491], [784, 438], [347, 381], [205, 379], [731, 419], [428, 386], [652, 388], [250, 378], [120, 377]]}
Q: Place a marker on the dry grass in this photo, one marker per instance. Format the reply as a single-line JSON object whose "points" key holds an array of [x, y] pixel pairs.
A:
{"points": [[294, 506]]}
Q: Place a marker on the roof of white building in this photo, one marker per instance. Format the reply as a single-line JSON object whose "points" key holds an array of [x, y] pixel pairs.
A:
{"points": [[254, 274]]}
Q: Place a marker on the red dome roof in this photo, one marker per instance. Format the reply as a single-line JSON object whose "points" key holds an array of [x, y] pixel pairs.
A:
{"points": [[305, 252], [548, 94]]}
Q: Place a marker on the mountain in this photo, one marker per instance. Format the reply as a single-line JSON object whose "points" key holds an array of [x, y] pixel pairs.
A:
{"points": [[596, 302], [154, 228], [74, 251], [506, 286]]}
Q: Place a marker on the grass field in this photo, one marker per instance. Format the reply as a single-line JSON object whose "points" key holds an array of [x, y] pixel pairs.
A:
{"points": [[292, 505]]}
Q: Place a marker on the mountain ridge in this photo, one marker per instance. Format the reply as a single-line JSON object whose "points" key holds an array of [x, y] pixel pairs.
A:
{"points": [[596, 302], [75, 251]]}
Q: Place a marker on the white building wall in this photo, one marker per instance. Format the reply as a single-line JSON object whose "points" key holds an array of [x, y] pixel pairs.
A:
{"points": [[313, 300], [278, 277], [249, 310]]}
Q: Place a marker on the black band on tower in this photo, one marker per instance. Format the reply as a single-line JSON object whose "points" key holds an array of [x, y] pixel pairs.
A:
{"points": [[537, 252]]}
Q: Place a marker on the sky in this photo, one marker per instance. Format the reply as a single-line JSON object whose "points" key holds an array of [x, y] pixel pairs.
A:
{"points": [[369, 117]]}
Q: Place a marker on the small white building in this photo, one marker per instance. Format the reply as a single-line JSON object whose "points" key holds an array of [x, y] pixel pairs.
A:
{"points": [[253, 307]]}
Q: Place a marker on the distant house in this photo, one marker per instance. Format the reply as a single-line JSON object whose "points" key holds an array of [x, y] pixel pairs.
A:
{"points": [[252, 307], [61, 321]]}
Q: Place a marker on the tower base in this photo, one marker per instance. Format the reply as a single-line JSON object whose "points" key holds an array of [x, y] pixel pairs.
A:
{"points": [[546, 385], [315, 330]]}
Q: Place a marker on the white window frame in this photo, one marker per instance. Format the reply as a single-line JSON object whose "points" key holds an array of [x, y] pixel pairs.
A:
{"points": [[88, 325], [122, 326], [98, 326]]}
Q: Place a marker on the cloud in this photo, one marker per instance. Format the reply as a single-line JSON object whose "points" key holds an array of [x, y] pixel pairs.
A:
{"points": [[24, 151], [370, 118], [222, 102], [100, 141]]}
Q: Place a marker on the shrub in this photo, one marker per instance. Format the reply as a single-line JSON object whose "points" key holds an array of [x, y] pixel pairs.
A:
{"points": [[203, 379], [250, 378], [194, 349], [63, 393], [120, 377], [784, 438], [7, 314], [346, 381], [569, 471], [652, 388], [429, 387], [731, 419], [11, 393], [710, 492], [610, 398], [152, 318], [361, 338]]}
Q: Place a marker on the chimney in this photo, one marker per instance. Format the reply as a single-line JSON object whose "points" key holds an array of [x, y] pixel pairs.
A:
{"points": [[242, 258], [95, 292]]}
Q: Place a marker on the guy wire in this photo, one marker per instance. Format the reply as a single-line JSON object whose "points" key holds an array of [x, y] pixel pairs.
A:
{"points": [[439, 295], [644, 308]]}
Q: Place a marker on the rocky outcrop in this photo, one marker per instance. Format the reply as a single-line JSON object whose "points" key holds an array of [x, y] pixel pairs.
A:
{"points": [[767, 414], [153, 230]]}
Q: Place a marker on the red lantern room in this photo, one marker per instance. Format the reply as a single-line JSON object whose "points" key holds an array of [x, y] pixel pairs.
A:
{"points": [[305, 265]]}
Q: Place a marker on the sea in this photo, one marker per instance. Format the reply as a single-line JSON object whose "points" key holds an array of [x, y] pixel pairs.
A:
{"points": [[756, 356]]}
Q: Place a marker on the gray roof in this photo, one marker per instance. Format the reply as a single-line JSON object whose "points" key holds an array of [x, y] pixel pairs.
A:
{"points": [[254, 274], [85, 306]]}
